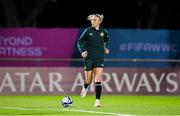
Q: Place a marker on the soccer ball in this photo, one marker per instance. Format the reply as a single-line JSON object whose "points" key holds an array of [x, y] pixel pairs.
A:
{"points": [[67, 101]]}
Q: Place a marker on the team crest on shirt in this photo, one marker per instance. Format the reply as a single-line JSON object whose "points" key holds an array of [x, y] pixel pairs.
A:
{"points": [[101, 34]]}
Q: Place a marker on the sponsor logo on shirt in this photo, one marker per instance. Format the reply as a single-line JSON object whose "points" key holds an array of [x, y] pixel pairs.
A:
{"points": [[90, 34]]}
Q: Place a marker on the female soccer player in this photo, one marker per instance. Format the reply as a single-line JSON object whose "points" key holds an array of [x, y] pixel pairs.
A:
{"points": [[93, 44]]}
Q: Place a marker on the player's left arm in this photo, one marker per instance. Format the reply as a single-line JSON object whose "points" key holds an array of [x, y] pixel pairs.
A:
{"points": [[106, 42]]}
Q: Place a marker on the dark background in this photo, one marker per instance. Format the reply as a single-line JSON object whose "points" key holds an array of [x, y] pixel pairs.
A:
{"points": [[155, 14]]}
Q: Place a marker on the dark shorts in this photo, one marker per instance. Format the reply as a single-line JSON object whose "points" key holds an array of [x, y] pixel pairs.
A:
{"points": [[90, 63]]}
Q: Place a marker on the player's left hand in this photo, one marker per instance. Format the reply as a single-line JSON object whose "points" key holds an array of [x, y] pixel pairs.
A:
{"points": [[106, 51]]}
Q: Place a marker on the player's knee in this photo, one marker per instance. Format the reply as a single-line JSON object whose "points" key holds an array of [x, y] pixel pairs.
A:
{"points": [[89, 81]]}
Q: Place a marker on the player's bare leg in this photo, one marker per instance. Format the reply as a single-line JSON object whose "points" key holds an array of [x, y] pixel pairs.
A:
{"points": [[88, 76], [88, 80], [98, 87]]}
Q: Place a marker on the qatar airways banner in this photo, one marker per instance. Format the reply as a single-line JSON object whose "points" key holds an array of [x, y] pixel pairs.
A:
{"points": [[36, 43], [116, 81]]}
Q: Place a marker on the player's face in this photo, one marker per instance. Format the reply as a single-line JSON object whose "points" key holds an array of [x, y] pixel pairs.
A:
{"points": [[95, 21]]}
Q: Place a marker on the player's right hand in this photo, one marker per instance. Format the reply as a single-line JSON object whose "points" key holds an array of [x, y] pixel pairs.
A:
{"points": [[84, 54]]}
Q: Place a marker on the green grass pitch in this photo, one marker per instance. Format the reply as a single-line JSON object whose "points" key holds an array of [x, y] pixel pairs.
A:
{"points": [[111, 105]]}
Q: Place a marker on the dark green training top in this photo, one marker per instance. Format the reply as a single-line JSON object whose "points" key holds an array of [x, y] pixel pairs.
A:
{"points": [[94, 41]]}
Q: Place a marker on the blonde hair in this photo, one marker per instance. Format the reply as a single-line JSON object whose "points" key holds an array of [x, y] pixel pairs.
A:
{"points": [[101, 17]]}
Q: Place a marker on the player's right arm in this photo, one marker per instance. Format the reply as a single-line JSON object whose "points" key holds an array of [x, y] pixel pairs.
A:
{"points": [[81, 44]]}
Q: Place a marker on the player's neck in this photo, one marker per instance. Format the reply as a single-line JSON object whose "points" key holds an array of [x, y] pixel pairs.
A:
{"points": [[97, 27]]}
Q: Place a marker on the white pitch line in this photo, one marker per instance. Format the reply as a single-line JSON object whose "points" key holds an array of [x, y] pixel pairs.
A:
{"points": [[71, 110]]}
